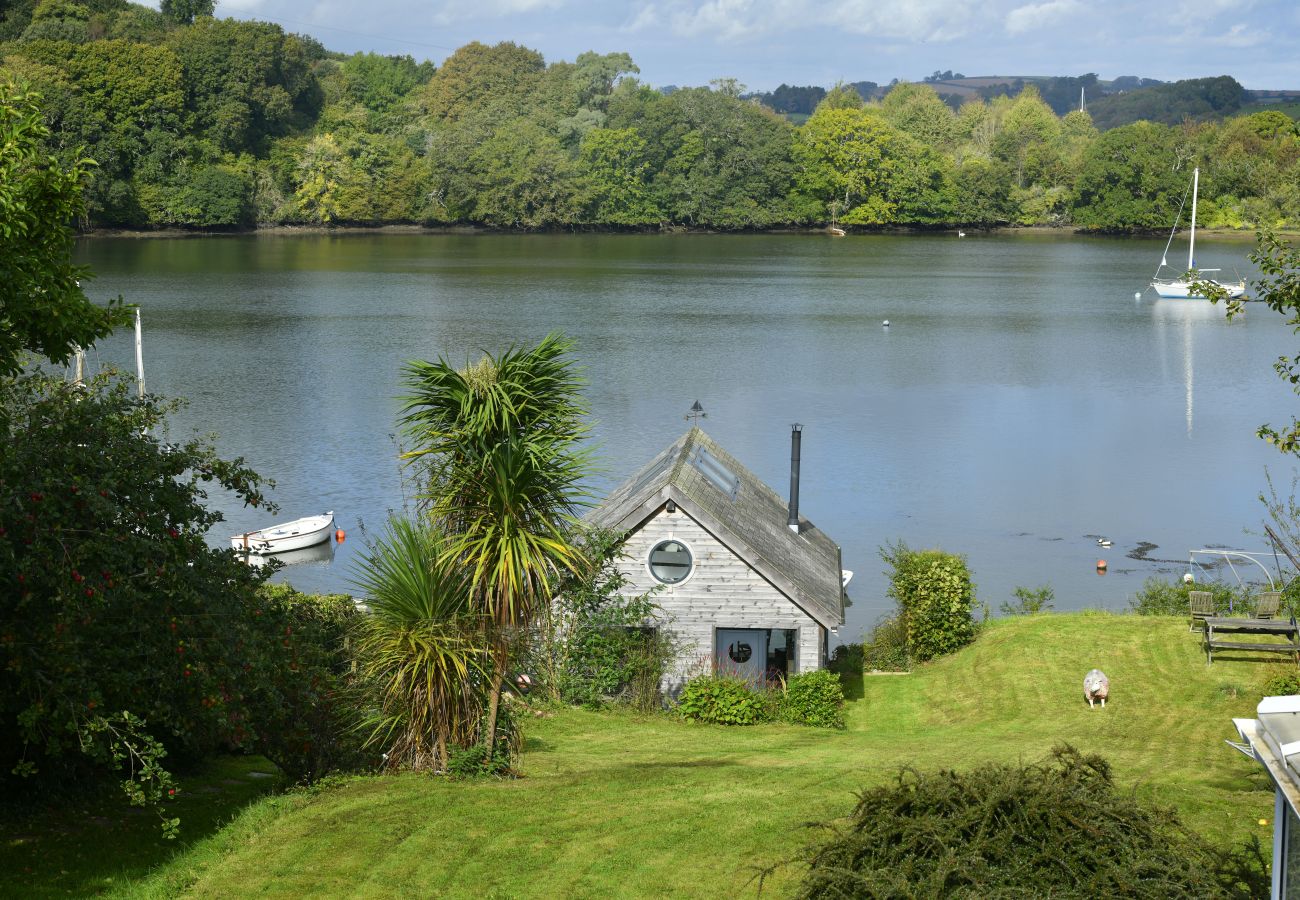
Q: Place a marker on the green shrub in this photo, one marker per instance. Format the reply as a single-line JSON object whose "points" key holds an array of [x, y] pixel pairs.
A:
{"points": [[886, 649], [1283, 684], [934, 592], [1159, 597], [846, 659], [1058, 829], [301, 705], [598, 644], [814, 698], [723, 700], [1029, 601]]}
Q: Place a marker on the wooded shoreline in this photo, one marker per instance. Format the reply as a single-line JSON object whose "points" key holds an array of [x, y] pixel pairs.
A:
{"points": [[488, 230]]}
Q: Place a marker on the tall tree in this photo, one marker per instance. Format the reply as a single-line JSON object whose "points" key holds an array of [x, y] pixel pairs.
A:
{"points": [[500, 442], [42, 306]]}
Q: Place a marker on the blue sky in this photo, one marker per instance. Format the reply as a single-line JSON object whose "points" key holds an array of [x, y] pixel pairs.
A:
{"points": [[765, 42]]}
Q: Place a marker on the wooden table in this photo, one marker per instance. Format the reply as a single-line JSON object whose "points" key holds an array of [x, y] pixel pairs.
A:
{"points": [[1222, 625]]}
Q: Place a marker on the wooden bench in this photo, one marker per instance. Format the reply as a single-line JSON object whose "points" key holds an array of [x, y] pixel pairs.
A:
{"points": [[1289, 630]]}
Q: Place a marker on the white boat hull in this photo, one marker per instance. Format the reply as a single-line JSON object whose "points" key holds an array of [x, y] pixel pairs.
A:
{"points": [[295, 535], [1182, 290]]}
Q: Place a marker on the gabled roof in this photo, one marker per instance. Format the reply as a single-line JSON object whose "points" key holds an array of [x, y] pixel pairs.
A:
{"points": [[733, 504]]}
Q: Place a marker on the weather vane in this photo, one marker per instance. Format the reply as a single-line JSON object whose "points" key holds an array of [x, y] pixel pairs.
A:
{"points": [[697, 412]]}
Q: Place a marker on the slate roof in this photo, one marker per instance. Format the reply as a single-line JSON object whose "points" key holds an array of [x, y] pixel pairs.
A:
{"points": [[740, 511]]}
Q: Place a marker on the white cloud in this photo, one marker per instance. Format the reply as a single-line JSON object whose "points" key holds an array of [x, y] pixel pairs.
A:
{"points": [[1033, 16], [1242, 35], [646, 18]]}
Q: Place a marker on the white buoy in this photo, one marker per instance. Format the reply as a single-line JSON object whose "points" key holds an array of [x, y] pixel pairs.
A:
{"points": [[885, 323], [1137, 295]]}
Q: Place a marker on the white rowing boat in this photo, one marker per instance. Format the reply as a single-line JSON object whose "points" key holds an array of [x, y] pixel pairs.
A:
{"points": [[305, 532]]}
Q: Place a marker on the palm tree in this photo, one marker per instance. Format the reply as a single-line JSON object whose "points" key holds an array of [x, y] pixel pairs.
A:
{"points": [[420, 648], [500, 440]]}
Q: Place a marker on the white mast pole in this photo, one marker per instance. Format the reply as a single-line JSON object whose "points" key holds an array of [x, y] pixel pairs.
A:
{"points": [[139, 354], [1191, 247]]}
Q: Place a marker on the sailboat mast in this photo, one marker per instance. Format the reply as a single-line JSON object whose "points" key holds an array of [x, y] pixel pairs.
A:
{"points": [[139, 354], [1191, 247]]}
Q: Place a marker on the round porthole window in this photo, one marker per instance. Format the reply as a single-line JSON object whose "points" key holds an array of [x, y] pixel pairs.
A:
{"points": [[670, 562], [739, 652]]}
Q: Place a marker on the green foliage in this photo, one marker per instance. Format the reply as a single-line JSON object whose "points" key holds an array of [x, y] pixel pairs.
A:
{"points": [[114, 603], [1283, 684], [184, 12], [1279, 288], [190, 119], [304, 704], [1130, 180], [245, 81], [42, 306], [1029, 601], [419, 650], [886, 649], [813, 698], [935, 599], [847, 659], [1170, 104], [499, 443], [597, 644], [1057, 828], [1159, 597], [723, 700]]}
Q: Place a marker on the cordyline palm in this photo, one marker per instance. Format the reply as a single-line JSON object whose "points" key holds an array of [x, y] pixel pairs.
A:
{"points": [[500, 439], [421, 647]]}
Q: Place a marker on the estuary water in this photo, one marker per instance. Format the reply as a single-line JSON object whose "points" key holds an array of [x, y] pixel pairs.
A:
{"points": [[1020, 403]]}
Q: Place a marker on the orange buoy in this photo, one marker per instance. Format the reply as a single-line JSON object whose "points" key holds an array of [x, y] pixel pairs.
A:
{"points": [[340, 535], [1101, 565]]}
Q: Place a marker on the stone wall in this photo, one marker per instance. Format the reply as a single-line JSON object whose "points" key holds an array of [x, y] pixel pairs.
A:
{"points": [[723, 591]]}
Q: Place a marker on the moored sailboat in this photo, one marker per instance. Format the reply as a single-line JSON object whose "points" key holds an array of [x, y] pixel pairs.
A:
{"points": [[1181, 287]]}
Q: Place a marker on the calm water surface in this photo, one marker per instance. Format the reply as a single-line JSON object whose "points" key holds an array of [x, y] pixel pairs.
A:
{"points": [[1020, 403]]}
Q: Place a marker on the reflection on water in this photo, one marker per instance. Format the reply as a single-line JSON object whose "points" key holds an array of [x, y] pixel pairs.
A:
{"points": [[319, 555], [1020, 400]]}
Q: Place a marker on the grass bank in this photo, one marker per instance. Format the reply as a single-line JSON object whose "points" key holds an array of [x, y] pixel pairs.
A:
{"points": [[616, 805]]}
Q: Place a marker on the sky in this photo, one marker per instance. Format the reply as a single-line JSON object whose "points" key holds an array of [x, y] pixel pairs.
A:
{"points": [[764, 43]]}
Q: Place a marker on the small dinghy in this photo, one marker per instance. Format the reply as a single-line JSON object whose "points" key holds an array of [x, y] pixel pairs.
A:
{"points": [[295, 535]]}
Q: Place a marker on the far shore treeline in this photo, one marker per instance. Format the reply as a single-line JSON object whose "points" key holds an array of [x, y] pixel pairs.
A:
{"points": [[208, 123]]}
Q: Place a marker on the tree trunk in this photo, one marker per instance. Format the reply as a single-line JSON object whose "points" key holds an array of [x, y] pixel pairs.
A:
{"points": [[494, 702]]}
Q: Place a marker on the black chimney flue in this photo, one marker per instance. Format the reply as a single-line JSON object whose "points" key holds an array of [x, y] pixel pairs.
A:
{"points": [[796, 431]]}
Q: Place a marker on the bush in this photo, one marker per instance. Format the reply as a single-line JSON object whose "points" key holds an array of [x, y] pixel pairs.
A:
{"points": [[122, 628], [1058, 828], [814, 698], [934, 592], [1283, 684], [1159, 597], [886, 649], [846, 659], [1029, 601], [597, 644], [723, 700], [301, 704]]}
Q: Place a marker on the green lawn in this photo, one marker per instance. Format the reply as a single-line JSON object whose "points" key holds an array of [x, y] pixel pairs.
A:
{"points": [[615, 805], [75, 845]]}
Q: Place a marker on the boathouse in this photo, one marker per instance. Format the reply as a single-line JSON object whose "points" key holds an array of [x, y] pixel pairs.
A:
{"points": [[750, 585]]}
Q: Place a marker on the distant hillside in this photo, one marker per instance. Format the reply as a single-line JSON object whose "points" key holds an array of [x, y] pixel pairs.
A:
{"points": [[1197, 99]]}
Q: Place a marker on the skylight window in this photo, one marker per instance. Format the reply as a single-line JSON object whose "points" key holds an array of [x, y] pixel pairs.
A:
{"points": [[655, 472], [716, 472]]}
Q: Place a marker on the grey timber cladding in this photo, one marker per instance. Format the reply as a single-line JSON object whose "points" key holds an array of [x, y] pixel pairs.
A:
{"points": [[751, 521], [723, 592]]}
